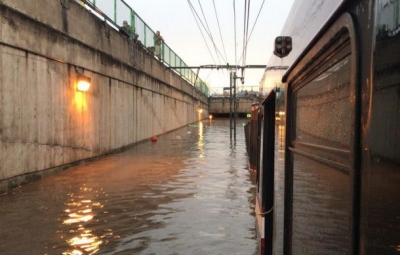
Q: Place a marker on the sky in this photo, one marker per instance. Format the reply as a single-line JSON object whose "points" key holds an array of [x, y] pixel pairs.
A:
{"points": [[176, 20]]}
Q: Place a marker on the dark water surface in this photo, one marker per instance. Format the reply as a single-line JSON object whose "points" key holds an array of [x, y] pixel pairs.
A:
{"points": [[189, 193]]}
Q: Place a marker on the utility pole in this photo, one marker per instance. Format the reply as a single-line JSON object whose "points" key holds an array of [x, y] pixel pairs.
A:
{"points": [[230, 103], [234, 104], [232, 99], [232, 86]]}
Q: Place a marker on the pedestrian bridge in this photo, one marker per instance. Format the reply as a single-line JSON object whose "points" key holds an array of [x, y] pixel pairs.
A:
{"points": [[223, 106]]}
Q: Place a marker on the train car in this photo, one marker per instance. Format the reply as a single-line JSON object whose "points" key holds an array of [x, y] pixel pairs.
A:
{"points": [[328, 147]]}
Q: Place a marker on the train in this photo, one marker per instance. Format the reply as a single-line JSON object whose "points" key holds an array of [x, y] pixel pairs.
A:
{"points": [[324, 142]]}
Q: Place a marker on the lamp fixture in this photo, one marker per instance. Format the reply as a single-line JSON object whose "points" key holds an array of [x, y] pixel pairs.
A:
{"points": [[82, 81]]}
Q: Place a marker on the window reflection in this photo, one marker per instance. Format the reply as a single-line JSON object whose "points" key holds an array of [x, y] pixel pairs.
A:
{"points": [[323, 108], [321, 199]]}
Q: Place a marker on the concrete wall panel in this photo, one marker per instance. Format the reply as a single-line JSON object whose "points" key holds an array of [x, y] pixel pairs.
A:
{"points": [[11, 92], [45, 123], [39, 10]]}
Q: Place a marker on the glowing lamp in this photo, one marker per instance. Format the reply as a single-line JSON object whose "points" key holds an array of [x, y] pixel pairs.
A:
{"points": [[83, 83]]}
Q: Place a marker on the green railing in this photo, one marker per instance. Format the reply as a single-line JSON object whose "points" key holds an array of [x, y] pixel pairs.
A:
{"points": [[117, 11]]}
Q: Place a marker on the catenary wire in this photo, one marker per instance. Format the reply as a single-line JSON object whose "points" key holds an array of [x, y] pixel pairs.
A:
{"points": [[255, 22], [209, 31], [204, 27], [205, 41], [220, 33], [245, 34], [218, 53], [244, 28]]}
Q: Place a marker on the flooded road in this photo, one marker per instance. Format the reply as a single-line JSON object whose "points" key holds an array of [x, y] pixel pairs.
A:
{"points": [[188, 193]]}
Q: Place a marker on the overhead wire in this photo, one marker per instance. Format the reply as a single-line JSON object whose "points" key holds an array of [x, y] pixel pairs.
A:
{"points": [[205, 41], [209, 31], [245, 33], [244, 27], [220, 33], [210, 34], [255, 22]]}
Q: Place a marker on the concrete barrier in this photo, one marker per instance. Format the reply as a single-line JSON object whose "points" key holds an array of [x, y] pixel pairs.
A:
{"points": [[221, 106]]}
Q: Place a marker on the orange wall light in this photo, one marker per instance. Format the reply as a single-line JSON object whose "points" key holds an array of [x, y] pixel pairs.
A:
{"points": [[83, 83]]}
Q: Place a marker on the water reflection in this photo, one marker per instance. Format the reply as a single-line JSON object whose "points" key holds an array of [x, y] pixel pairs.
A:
{"points": [[201, 142], [79, 214], [281, 137], [186, 194]]}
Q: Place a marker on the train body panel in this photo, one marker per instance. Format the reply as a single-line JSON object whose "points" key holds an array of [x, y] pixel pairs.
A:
{"points": [[328, 147], [305, 19], [380, 135]]}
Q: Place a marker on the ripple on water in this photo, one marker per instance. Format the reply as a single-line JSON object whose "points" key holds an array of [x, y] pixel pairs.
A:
{"points": [[177, 196]]}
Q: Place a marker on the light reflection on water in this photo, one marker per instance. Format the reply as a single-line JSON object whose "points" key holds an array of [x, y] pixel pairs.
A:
{"points": [[200, 142], [186, 194], [79, 213]]}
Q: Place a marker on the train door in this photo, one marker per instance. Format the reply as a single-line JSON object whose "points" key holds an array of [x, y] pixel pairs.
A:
{"points": [[267, 182], [321, 162], [254, 138]]}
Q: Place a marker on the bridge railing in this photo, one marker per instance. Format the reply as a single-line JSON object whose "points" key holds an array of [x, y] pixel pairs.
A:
{"points": [[241, 91], [116, 12]]}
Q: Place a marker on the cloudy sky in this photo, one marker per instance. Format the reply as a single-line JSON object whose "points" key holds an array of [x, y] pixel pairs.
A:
{"points": [[180, 23]]}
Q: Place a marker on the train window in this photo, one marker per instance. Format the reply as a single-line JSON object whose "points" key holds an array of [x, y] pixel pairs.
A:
{"points": [[323, 108], [320, 137], [323, 113], [322, 104], [321, 140]]}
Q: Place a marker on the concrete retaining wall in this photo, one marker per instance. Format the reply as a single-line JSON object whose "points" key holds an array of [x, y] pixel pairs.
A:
{"points": [[45, 123]]}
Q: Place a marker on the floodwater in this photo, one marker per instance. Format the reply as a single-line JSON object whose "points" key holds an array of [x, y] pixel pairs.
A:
{"points": [[188, 193]]}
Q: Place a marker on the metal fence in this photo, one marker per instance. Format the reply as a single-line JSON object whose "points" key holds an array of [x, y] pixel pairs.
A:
{"points": [[241, 91], [117, 11]]}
